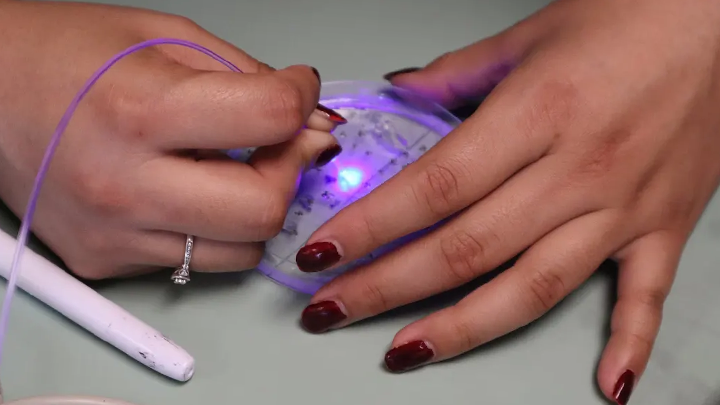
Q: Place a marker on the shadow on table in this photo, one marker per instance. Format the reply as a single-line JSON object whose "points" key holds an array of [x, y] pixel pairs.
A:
{"points": [[714, 398], [10, 224]]}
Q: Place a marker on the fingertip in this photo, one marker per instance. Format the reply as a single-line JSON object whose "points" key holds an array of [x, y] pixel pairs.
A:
{"points": [[423, 82], [646, 275], [305, 72], [316, 148], [304, 80], [408, 356], [628, 350], [284, 163], [321, 316], [328, 155], [616, 380], [390, 76], [610, 370]]}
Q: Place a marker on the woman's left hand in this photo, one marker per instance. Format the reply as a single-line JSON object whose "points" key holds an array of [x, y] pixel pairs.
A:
{"points": [[600, 141]]}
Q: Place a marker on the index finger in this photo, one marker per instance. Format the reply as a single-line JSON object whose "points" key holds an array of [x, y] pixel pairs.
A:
{"points": [[228, 110], [468, 164]]}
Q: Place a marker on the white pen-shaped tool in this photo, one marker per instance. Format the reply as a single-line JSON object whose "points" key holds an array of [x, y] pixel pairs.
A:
{"points": [[50, 284]]}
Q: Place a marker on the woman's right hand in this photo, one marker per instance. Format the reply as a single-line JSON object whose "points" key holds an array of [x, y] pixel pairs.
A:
{"points": [[138, 167]]}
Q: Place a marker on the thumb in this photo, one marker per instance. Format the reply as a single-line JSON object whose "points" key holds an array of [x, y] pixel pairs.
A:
{"points": [[466, 75]]}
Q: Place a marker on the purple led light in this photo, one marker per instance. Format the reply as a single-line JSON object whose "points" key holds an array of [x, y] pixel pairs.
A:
{"points": [[350, 178]]}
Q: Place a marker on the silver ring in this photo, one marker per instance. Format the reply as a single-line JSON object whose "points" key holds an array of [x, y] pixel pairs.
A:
{"points": [[181, 275]]}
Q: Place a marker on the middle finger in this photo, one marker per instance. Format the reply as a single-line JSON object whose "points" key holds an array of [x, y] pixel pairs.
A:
{"points": [[493, 145], [225, 200], [480, 239]]}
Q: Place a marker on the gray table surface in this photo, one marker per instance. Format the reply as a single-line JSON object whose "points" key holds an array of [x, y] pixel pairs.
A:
{"points": [[243, 330]]}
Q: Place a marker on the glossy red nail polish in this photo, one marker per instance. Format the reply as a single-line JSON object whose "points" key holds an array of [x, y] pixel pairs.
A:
{"points": [[320, 317], [391, 75], [317, 74], [624, 387], [328, 155], [332, 115], [317, 257], [408, 356]]}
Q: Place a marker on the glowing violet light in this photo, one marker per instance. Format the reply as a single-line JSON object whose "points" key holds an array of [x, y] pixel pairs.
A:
{"points": [[378, 115], [350, 178]]}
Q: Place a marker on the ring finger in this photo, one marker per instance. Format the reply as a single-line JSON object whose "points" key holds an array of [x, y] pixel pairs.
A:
{"points": [[543, 276], [167, 249]]}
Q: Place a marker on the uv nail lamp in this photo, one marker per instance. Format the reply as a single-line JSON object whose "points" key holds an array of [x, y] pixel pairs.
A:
{"points": [[388, 128]]}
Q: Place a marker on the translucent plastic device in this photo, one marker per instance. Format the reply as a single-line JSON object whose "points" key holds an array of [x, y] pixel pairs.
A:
{"points": [[388, 128]]}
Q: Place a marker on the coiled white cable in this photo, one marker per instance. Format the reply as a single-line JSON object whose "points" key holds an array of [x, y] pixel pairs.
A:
{"points": [[24, 232]]}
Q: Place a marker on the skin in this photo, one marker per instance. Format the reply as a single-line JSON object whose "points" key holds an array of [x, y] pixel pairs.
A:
{"points": [[598, 139], [136, 171]]}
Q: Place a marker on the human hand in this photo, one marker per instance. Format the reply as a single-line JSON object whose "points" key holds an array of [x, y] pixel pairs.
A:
{"points": [[139, 166], [600, 141]]}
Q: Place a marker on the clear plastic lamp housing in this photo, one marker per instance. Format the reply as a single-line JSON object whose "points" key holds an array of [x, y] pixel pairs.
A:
{"points": [[388, 128]]}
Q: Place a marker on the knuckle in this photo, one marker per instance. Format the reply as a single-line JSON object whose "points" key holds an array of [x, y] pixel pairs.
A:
{"points": [[253, 258], [128, 111], [96, 243], [374, 298], [443, 60], [287, 107], [87, 271], [184, 23], [652, 299], [598, 160], [370, 228], [464, 335], [272, 219], [546, 288], [91, 262], [555, 102], [462, 254], [263, 67], [438, 188], [102, 195], [641, 343]]}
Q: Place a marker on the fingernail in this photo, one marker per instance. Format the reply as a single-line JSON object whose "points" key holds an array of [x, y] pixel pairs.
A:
{"points": [[624, 387], [408, 356], [391, 75], [317, 257], [317, 74], [331, 114], [320, 317], [328, 155]]}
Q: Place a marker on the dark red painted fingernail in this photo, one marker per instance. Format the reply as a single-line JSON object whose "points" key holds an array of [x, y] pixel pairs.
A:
{"points": [[320, 317], [624, 387], [328, 155], [317, 74], [332, 115], [408, 356], [317, 257], [391, 75]]}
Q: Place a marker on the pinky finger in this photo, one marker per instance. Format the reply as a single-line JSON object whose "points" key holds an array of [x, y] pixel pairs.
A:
{"points": [[544, 275], [647, 271]]}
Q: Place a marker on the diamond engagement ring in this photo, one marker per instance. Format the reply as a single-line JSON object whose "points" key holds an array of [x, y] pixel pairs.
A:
{"points": [[181, 275]]}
